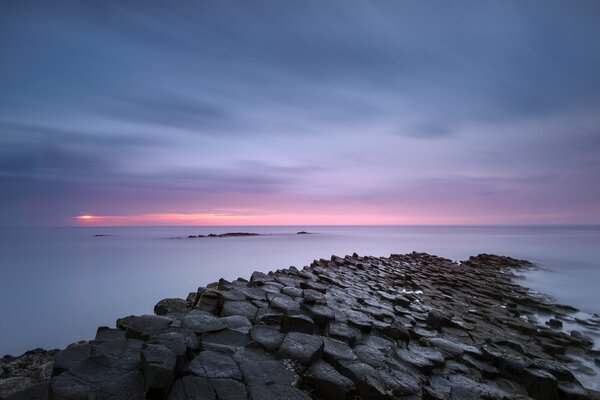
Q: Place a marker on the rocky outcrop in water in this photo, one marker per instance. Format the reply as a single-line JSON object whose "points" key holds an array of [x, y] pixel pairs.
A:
{"points": [[409, 326]]}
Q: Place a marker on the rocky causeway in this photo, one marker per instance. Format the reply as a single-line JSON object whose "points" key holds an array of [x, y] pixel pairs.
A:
{"points": [[413, 326]]}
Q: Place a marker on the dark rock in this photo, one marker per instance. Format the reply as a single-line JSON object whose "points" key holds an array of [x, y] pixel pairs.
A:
{"points": [[397, 331], [228, 389], [335, 351], [214, 365], [226, 340], [437, 319], [327, 382], [342, 331], [269, 316], [201, 323], [298, 322], [158, 367], [192, 388], [93, 379], [292, 292], [366, 379], [310, 296], [370, 355], [320, 314], [554, 323], [168, 306], [540, 385], [301, 347], [135, 326], [283, 303], [180, 341], [32, 391], [268, 337], [71, 356], [105, 333], [243, 308]]}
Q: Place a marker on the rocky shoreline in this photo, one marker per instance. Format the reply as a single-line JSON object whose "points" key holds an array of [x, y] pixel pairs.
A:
{"points": [[412, 326]]}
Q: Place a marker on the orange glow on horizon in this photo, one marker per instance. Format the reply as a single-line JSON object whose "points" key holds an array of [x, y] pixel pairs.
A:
{"points": [[247, 217]]}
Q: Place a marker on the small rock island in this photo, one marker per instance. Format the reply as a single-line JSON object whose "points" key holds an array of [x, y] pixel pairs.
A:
{"points": [[411, 326]]}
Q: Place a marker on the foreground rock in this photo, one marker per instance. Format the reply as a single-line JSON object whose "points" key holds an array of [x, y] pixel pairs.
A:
{"points": [[411, 326]]}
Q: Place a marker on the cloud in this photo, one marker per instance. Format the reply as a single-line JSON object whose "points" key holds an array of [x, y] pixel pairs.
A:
{"points": [[289, 102]]}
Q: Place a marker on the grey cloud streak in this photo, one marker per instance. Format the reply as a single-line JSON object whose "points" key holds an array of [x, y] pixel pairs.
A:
{"points": [[299, 99]]}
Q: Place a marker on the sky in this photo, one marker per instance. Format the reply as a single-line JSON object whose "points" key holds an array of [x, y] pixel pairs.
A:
{"points": [[299, 112]]}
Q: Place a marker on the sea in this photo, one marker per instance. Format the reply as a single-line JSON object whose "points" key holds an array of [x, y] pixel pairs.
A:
{"points": [[57, 285]]}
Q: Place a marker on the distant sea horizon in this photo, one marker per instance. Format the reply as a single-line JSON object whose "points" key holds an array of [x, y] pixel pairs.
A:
{"points": [[59, 283]]}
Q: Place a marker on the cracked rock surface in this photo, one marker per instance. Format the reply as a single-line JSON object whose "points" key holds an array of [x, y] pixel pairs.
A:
{"points": [[411, 326]]}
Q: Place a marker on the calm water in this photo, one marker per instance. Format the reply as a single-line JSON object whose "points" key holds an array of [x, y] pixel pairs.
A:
{"points": [[58, 284]]}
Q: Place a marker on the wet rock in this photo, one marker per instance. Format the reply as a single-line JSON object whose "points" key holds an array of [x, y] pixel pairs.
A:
{"points": [[301, 347], [327, 382], [554, 323], [540, 385]]}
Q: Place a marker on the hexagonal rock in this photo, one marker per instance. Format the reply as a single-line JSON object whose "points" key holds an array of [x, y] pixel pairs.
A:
{"points": [[268, 337], [366, 378], [180, 341], [243, 308], [92, 379], [310, 296], [237, 322], [397, 331], [201, 323], [158, 367], [342, 331], [226, 340], [268, 316], [319, 287], [301, 347], [192, 388], [320, 314], [135, 326], [70, 357], [327, 382], [214, 365], [295, 321], [283, 303], [335, 351]]}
